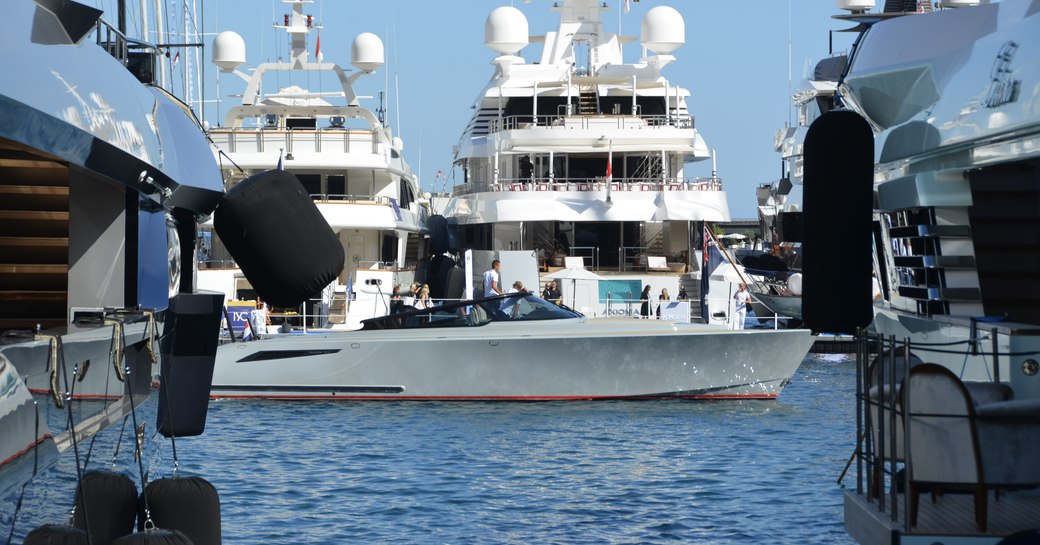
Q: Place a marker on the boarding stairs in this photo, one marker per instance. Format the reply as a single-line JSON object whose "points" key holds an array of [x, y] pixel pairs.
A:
{"points": [[338, 308], [692, 286], [34, 240], [588, 100]]}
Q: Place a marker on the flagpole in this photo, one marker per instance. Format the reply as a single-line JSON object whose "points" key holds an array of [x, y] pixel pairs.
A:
{"points": [[610, 167], [725, 254]]}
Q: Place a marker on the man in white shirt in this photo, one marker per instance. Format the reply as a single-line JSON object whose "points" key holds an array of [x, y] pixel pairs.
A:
{"points": [[743, 299], [492, 286]]}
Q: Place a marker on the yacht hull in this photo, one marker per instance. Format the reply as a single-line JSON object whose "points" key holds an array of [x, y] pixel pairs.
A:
{"points": [[553, 360]]}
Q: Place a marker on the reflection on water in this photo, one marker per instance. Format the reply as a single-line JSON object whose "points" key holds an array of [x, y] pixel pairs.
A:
{"points": [[563, 472]]}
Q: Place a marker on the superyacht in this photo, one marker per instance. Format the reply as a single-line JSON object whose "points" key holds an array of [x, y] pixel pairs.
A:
{"points": [[343, 153], [580, 154]]}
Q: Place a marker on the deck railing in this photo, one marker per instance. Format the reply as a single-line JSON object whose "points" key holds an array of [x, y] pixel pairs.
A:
{"points": [[309, 140], [637, 185], [587, 122]]}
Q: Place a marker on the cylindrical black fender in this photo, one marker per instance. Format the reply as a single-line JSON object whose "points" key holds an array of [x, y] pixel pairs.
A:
{"points": [[279, 238], [155, 537], [106, 505], [189, 505], [56, 534]]}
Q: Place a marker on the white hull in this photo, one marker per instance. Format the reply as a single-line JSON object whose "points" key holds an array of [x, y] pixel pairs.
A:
{"points": [[550, 360]]}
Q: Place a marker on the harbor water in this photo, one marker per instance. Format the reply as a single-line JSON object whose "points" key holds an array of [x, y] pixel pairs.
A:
{"points": [[719, 472]]}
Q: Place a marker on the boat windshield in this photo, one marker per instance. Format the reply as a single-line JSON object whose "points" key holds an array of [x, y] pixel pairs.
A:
{"points": [[503, 308]]}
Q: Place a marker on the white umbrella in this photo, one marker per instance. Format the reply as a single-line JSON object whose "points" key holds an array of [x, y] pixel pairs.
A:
{"points": [[737, 236], [573, 275]]}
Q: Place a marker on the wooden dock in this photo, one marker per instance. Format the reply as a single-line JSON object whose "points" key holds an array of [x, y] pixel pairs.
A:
{"points": [[951, 519]]}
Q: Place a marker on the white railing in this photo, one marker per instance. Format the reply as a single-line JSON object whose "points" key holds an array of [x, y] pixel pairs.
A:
{"points": [[259, 140], [591, 185], [585, 122]]}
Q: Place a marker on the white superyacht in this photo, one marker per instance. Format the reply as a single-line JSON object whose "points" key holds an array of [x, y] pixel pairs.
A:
{"points": [[343, 153], [578, 153]]}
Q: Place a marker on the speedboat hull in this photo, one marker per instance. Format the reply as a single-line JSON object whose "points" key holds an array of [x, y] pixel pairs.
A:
{"points": [[551, 360]]}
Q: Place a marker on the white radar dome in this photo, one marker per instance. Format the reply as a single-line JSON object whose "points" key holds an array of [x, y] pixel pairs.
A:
{"points": [[366, 52], [856, 5], [663, 30], [229, 51], [505, 30]]}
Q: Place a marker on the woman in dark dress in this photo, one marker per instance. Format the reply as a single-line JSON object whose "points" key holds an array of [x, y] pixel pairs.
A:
{"points": [[644, 298]]}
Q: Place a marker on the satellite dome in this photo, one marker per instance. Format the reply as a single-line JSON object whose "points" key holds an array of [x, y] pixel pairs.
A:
{"points": [[366, 52], [229, 51], [856, 5], [505, 30], [663, 30]]}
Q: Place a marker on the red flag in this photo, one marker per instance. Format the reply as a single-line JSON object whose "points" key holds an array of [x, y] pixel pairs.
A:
{"points": [[610, 175], [317, 50]]}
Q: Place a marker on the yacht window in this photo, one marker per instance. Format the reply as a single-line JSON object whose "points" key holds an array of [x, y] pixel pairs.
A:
{"points": [[311, 184], [337, 186], [301, 123]]}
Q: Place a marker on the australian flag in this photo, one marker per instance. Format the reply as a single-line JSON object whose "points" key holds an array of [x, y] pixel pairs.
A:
{"points": [[712, 259]]}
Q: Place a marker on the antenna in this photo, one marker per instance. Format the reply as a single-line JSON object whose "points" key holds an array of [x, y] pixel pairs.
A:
{"points": [[790, 110], [381, 112]]}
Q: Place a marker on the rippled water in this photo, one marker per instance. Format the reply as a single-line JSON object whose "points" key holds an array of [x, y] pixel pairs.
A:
{"points": [[568, 472]]}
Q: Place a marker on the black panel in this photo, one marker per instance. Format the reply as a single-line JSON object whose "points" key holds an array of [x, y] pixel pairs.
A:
{"points": [[838, 197], [1005, 227]]}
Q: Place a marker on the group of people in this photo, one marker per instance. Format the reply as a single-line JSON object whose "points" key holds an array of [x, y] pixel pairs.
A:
{"points": [[418, 297], [492, 281], [644, 300]]}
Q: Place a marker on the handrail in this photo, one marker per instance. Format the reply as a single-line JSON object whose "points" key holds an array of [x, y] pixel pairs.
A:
{"points": [[334, 139], [598, 120], [637, 185]]}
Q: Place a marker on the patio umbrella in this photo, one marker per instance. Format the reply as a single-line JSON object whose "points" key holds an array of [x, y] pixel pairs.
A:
{"points": [[573, 275], [736, 236]]}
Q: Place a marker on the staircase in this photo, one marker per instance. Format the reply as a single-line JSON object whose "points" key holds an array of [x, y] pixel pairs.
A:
{"points": [[655, 246], [411, 249], [649, 168], [693, 293], [588, 100], [338, 309], [34, 240]]}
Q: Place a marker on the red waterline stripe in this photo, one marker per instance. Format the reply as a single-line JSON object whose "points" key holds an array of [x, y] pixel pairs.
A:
{"points": [[32, 445], [497, 398]]}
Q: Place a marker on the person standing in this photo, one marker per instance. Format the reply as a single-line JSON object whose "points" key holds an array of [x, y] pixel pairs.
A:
{"points": [[413, 292], [661, 300], [551, 293], [259, 320], [644, 302], [743, 299], [492, 284], [422, 301], [396, 304]]}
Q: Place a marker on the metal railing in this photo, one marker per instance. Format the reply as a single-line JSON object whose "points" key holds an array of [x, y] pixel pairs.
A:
{"points": [[590, 252], [597, 121], [350, 199], [316, 140], [597, 184]]}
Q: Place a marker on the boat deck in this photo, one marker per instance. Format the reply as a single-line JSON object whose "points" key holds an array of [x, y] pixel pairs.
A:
{"points": [[952, 516]]}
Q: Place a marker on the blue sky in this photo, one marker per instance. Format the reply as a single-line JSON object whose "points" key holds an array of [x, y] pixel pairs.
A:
{"points": [[735, 63]]}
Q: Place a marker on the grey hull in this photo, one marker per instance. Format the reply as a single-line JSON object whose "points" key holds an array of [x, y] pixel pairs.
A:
{"points": [[566, 359]]}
